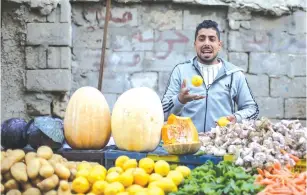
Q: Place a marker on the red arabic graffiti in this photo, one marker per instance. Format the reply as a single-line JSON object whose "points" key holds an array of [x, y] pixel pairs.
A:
{"points": [[178, 38], [126, 17]]}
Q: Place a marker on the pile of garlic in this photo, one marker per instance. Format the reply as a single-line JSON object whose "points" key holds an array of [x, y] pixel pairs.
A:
{"points": [[257, 144]]}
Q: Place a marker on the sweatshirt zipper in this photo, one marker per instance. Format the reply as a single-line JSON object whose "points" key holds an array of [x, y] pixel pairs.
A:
{"points": [[206, 96]]}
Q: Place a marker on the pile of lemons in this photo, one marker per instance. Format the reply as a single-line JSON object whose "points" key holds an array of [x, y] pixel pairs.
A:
{"points": [[129, 177]]}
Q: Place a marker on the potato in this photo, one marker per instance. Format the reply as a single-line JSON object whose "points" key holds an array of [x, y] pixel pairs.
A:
{"points": [[30, 156], [2, 188], [44, 152], [70, 164], [25, 186], [7, 176], [33, 168], [51, 192], [44, 161], [32, 191], [46, 171], [49, 183], [13, 192], [11, 184], [13, 157], [57, 158], [19, 172], [3, 155], [62, 171], [64, 188], [73, 173], [37, 180]]}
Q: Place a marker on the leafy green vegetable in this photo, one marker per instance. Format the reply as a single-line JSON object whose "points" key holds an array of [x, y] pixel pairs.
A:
{"points": [[221, 179]]}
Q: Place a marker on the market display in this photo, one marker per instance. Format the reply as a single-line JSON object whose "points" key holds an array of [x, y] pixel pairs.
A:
{"points": [[264, 153], [257, 144], [223, 178]]}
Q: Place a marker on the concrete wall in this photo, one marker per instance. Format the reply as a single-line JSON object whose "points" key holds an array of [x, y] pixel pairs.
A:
{"points": [[48, 53]]}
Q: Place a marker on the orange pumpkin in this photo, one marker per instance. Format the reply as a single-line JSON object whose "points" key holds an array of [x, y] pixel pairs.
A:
{"points": [[179, 130], [87, 121]]}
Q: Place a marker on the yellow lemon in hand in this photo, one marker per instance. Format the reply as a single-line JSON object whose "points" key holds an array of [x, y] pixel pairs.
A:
{"points": [[222, 122], [197, 81]]}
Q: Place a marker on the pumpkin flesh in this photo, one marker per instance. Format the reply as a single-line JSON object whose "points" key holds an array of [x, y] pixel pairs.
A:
{"points": [[179, 130]]}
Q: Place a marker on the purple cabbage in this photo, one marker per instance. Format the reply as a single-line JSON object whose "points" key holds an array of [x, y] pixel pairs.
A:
{"points": [[13, 133]]}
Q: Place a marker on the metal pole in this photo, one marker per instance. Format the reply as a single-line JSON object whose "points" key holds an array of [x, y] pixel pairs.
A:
{"points": [[103, 49]]}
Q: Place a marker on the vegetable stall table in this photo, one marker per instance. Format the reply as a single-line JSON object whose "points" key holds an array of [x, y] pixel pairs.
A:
{"points": [[78, 155], [159, 153]]}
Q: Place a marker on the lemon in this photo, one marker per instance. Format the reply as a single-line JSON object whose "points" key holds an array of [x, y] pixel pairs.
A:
{"points": [[119, 162], [153, 184], [155, 191], [80, 185], [142, 193], [197, 80], [84, 165], [147, 164], [130, 170], [185, 171], [154, 177], [99, 187], [176, 176], [114, 188], [99, 167], [167, 185], [123, 193], [83, 173], [131, 163], [112, 177], [222, 122], [134, 189], [116, 169], [126, 179], [162, 167], [96, 174], [140, 177]]}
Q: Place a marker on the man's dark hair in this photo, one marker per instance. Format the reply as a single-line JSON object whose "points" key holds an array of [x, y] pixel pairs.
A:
{"points": [[208, 24]]}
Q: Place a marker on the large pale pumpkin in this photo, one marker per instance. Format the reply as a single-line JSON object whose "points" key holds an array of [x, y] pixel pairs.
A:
{"points": [[87, 121], [137, 119], [179, 130]]}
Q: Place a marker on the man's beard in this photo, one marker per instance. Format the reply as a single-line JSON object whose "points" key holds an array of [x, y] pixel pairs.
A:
{"points": [[206, 60]]}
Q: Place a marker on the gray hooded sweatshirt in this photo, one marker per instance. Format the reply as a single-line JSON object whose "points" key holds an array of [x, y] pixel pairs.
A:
{"points": [[230, 87]]}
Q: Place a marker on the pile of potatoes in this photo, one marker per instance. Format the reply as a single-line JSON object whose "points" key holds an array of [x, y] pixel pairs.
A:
{"points": [[36, 173]]}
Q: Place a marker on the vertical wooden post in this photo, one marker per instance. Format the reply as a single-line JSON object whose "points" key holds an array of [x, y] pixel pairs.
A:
{"points": [[103, 49]]}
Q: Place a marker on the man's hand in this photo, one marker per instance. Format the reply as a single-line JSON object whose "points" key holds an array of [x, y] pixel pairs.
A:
{"points": [[184, 95], [232, 119]]}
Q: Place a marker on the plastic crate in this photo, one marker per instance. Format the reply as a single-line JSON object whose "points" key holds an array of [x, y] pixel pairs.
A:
{"points": [[190, 161], [300, 166], [83, 155]]}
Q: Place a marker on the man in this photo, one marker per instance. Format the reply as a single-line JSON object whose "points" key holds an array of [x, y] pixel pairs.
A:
{"points": [[224, 85]]}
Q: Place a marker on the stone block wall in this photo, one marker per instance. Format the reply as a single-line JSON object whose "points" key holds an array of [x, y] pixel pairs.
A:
{"points": [[60, 52]]}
